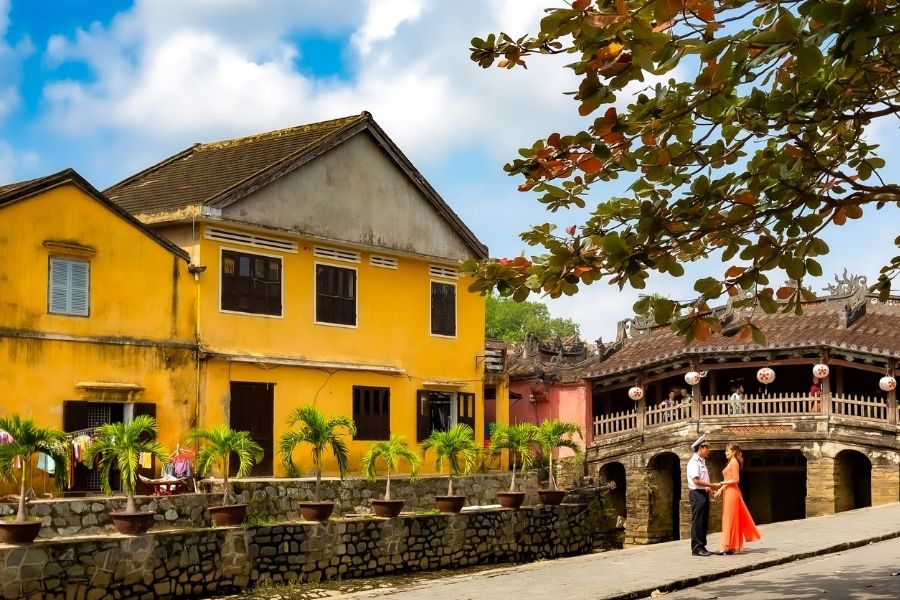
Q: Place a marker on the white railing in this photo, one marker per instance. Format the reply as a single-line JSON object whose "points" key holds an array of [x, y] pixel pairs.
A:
{"points": [[861, 407], [766, 405], [617, 422], [662, 414], [763, 405]]}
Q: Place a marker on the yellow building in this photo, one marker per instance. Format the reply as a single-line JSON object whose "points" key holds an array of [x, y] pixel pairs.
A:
{"points": [[327, 273], [96, 320]]}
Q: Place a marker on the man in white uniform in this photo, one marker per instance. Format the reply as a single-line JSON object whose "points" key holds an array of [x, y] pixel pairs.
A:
{"points": [[699, 486]]}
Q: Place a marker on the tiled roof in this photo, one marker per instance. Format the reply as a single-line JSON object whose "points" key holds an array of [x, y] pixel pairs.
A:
{"points": [[875, 332], [23, 190], [203, 173], [7, 190], [220, 173]]}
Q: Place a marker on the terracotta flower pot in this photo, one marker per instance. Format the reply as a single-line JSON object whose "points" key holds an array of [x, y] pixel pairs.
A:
{"points": [[132, 523], [449, 504], [387, 508], [316, 511], [228, 516], [511, 499], [16, 532], [551, 497]]}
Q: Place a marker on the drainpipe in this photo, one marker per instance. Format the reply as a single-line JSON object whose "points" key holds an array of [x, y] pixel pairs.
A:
{"points": [[197, 338]]}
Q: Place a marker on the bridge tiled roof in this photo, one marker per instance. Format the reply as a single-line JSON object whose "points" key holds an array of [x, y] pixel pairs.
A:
{"points": [[876, 332]]}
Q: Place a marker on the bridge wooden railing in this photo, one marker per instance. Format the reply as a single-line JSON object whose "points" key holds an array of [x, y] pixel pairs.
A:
{"points": [[615, 423], [862, 408], [764, 405]]}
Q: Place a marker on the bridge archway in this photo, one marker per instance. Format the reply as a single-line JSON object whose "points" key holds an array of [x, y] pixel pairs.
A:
{"points": [[774, 484], [852, 481], [615, 471], [664, 497]]}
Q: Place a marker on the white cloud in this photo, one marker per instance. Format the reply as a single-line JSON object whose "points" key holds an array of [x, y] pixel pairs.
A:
{"points": [[13, 162], [382, 19], [163, 73], [11, 57]]}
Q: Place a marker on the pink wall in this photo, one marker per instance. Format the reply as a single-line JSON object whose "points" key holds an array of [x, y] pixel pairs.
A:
{"points": [[566, 402]]}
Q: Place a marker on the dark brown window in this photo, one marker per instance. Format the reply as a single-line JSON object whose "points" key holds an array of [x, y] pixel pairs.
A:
{"points": [[251, 283], [372, 413], [335, 295], [443, 308]]}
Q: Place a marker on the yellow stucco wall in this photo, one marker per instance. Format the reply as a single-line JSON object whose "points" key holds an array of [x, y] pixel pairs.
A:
{"points": [[393, 330], [140, 328]]}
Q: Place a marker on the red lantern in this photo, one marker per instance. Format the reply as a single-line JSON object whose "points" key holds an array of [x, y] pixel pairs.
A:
{"points": [[636, 393], [765, 375]]}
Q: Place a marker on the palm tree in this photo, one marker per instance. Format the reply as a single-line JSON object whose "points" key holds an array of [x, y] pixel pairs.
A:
{"points": [[27, 440], [553, 434], [121, 445], [456, 443], [391, 451], [216, 445], [320, 433], [519, 439]]}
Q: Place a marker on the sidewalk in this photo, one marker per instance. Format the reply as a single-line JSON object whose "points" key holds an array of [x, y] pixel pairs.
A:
{"points": [[637, 571]]}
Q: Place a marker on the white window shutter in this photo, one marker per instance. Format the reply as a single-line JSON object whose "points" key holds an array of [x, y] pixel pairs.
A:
{"points": [[79, 284], [69, 286]]}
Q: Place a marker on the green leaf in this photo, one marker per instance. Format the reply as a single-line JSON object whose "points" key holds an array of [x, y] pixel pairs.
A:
{"points": [[809, 60]]}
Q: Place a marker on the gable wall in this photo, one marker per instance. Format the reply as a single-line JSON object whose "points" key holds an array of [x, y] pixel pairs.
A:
{"points": [[354, 193]]}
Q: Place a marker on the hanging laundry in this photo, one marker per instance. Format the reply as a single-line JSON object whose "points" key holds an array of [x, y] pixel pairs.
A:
{"points": [[146, 460], [45, 463]]}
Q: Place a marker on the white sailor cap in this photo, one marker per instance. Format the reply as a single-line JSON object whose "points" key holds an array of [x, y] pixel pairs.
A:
{"points": [[701, 441]]}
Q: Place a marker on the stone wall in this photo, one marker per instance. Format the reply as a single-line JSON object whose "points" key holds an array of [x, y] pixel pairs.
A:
{"points": [[65, 517], [276, 499], [206, 562], [271, 500]]}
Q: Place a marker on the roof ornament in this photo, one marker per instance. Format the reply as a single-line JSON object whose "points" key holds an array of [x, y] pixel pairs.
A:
{"points": [[846, 285], [851, 292]]}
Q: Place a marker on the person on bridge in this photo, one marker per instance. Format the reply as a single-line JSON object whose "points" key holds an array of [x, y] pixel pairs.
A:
{"points": [[737, 523], [699, 486]]}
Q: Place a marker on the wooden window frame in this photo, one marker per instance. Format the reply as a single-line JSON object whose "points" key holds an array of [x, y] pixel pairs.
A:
{"points": [[252, 255], [372, 412], [87, 289], [355, 271], [432, 324]]}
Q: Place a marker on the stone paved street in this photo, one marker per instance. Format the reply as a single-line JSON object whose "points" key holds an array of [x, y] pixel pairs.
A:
{"points": [[636, 572]]}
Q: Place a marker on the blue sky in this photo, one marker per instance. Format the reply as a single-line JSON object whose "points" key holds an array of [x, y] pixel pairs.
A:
{"points": [[108, 87]]}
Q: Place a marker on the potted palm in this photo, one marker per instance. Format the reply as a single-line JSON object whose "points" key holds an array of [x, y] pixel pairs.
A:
{"points": [[321, 434], [457, 447], [121, 445], [519, 439], [217, 443], [553, 434], [27, 439], [391, 451]]}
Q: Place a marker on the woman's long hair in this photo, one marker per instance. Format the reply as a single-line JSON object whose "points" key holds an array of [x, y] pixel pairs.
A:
{"points": [[736, 453]]}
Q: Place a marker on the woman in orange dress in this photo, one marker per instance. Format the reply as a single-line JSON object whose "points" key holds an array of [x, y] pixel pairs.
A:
{"points": [[737, 524]]}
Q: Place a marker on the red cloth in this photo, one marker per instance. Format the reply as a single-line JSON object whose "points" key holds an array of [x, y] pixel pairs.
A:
{"points": [[737, 523]]}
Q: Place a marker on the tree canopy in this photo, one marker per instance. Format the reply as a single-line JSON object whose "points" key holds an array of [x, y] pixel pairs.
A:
{"points": [[506, 319], [742, 129]]}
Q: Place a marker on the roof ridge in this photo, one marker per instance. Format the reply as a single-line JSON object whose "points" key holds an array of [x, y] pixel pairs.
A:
{"points": [[347, 123], [338, 123]]}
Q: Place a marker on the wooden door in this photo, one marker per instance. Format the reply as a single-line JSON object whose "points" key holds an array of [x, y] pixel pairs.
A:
{"points": [[252, 409]]}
